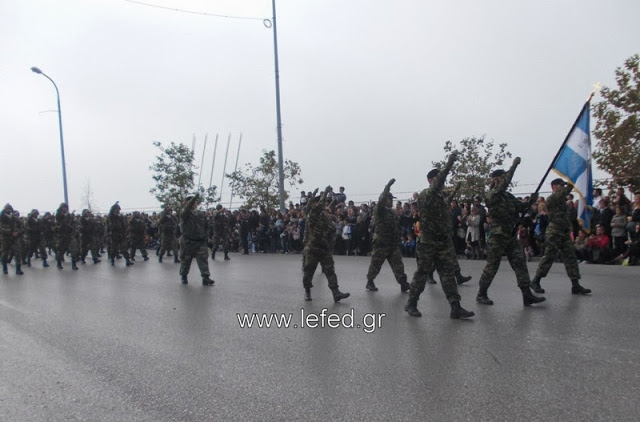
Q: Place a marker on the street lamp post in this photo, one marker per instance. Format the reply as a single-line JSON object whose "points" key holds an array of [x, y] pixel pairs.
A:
{"points": [[64, 168], [279, 121]]}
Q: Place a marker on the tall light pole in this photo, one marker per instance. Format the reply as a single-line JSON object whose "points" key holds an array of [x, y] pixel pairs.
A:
{"points": [[64, 168], [279, 122]]}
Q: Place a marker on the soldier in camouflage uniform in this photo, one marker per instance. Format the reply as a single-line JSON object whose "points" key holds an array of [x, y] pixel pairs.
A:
{"points": [[460, 279], [435, 245], [137, 229], [117, 233], [386, 241], [193, 241], [100, 232], [88, 237], [558, 240], [167, 227], [505, 213], [66, 236], [35, 241], [48, 232], [11, 230], [220, 232], [318, 249]]}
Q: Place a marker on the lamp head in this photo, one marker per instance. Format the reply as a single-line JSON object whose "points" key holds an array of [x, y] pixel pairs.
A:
{"points": [[36, 70]]}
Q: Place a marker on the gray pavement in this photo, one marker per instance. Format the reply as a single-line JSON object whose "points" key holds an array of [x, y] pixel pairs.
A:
{"points": [[115, 344]]}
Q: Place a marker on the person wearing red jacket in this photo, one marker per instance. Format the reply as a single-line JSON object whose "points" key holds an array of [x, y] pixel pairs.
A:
{"points": [[599, 249]]}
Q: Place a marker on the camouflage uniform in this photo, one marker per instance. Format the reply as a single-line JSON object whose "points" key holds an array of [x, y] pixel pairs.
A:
{"points": [[220, 231], [193, 242], [386, 240], [35, 241], [168, 225], [88, 237], [505, 214], [318, 248], [117, 233], [558, 240], [48, 232], [435, 245], [100, 231], [137, 228], [11, 230], [66, 236]]}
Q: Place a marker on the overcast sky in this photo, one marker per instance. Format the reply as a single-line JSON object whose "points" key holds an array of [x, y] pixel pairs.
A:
{"points": [[370, 89]]}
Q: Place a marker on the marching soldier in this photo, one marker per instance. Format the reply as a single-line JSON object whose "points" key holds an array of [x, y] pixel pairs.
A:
{"points": [[11, 230], [435, 244], [88, 226], [193, 241], [66, 236], [505, 213], [386, 241], [168, 226], [35, 241], [117, 233], [318, 248], [137, 229], [220, 232]]}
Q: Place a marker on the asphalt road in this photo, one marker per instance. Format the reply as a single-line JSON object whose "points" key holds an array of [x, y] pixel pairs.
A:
{"points": [[133, 344]]}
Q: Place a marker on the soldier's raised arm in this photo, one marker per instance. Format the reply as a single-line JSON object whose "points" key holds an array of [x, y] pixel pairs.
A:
{"points": [[442, 175], [506, 180]]}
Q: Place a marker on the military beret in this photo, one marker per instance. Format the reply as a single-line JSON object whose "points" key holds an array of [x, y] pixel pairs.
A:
{"points": [[219, 207], [433, 173], [558, 181], [497, 173]]}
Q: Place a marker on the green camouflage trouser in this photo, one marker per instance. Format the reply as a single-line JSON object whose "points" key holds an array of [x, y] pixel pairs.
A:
{"points": [[67, 244], [168, 243], [500, 246], [11, 245], [559, 243], [88, 244], [137, 242], [442, 255], [190, 249], [36, 245], [391, 254], [118, 245], [222, 238], [313, 257]]}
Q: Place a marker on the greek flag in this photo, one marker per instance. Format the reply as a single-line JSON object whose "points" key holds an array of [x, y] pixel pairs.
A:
{"points": [[573, 163]]}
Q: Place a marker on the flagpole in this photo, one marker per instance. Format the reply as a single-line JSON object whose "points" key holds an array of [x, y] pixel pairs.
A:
{"points": [[566, 139]]}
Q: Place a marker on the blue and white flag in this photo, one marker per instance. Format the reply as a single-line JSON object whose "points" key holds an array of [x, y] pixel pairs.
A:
{"points": [[573, 164]]}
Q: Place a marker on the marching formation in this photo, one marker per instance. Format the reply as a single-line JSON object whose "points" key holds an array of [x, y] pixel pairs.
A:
{"points": [[193, 233]]}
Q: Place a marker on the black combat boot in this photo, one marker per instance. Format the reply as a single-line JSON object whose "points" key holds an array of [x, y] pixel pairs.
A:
{"points": [[412, 307], [18, 270], [5, 270], [113, 261], [160, 259], [129, 263], [213, 255], [176, 260], [404, 286], [430, 278], [226, 256], [535, 285], [371, 286], [458, 312], [338, 295], [45, 264], [59, 266], [307, 294], [73, 265], [461, 279], [206, 281], [482, 296], [29, 262], [96, 260], [577, 289], [528, 298], [146, 257], [183, 279]]}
